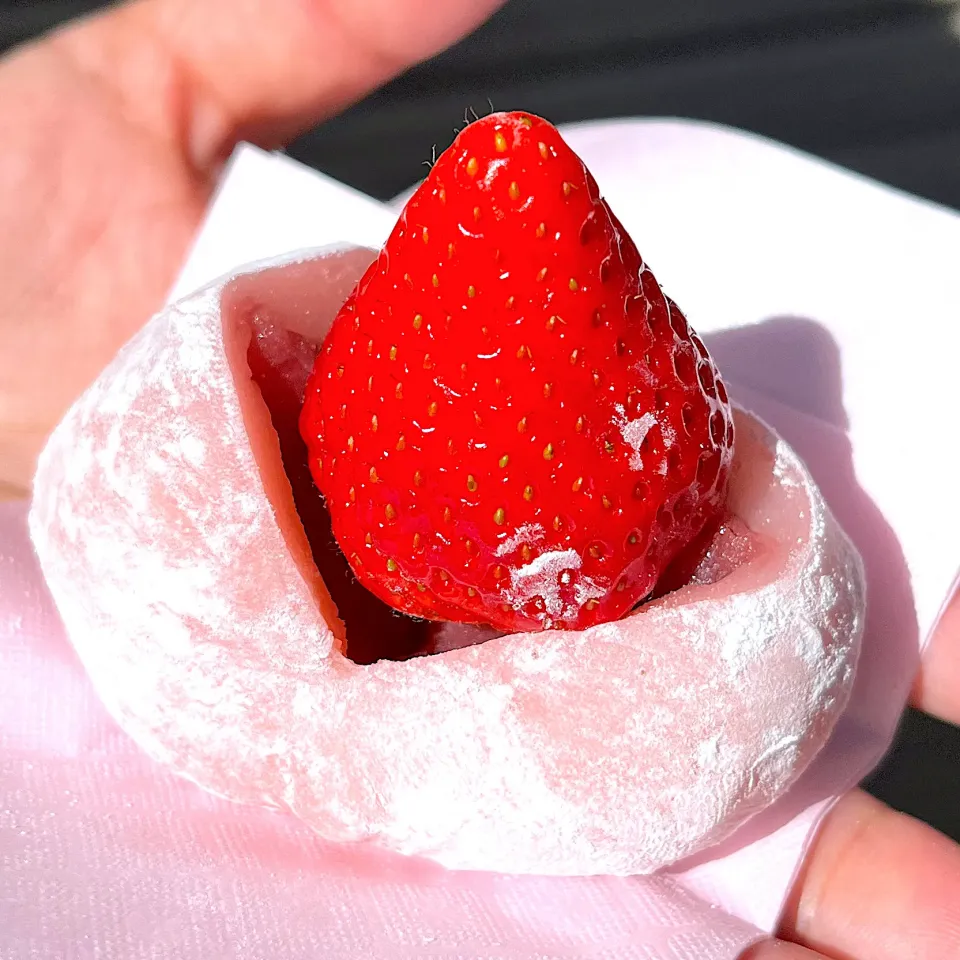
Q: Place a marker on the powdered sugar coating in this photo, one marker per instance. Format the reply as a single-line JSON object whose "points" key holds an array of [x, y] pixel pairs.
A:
{"points": [[527, 533], [179, 571], [545, 577], [634, 432]]}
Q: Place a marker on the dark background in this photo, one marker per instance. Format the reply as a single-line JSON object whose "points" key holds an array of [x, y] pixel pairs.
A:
{"points": [[870, 84]]}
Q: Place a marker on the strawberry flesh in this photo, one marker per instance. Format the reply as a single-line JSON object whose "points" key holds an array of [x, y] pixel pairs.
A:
{"points": [[511, 423], [280, 362]]}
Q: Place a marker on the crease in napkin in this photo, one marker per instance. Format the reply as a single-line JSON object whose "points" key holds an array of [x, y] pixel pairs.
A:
{"points": [[793, 271]]}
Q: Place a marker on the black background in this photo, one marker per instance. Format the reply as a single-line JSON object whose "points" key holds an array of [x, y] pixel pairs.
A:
{"points": [[870, 84]]}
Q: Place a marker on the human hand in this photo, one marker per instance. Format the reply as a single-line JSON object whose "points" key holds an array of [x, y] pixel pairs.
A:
{"points": [[113, 132]]}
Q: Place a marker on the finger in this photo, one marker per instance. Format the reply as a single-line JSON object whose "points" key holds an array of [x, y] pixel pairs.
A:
{"points": [[10, 492], [937, 689], [209, 72], [780, 950], [877, 885]]}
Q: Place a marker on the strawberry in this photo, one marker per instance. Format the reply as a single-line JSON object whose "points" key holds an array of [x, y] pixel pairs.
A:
{"points": [[510, 422]]}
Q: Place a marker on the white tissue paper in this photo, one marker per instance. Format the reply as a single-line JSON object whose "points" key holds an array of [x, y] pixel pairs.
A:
{"points": [[828, 302]]}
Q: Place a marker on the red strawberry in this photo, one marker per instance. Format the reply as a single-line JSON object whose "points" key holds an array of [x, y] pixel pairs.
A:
{"points": [[510, 422]]}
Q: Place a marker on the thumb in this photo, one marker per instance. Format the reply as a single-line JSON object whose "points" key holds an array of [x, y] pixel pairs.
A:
{"points": [[207, 73]]}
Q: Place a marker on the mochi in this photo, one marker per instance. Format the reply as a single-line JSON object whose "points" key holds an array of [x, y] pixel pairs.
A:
{"points": [[169, 519]]}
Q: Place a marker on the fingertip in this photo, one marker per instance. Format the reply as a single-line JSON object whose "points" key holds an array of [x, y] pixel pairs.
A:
{"points": [[877, 884], [266, 70]]}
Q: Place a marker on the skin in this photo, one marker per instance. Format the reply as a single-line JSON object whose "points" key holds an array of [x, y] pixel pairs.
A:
{"points": [[114, 131]]}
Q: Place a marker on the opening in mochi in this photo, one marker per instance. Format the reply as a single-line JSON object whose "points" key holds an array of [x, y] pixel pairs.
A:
{"points": [[274, 322]]}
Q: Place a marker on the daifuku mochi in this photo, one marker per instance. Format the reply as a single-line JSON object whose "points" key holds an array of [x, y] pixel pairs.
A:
{"points": [[168, 533]]}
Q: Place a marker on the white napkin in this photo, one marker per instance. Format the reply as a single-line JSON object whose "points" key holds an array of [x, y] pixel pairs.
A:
{"points": [[829, 302]]}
